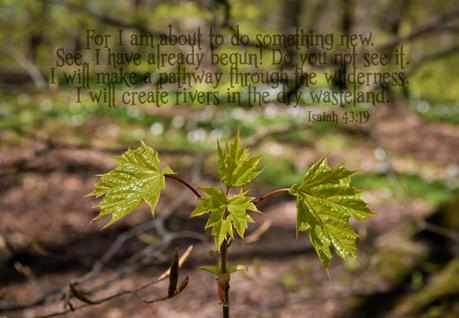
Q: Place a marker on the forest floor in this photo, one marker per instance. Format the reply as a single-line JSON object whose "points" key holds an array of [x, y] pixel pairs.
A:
{"points": [[47, 238]]}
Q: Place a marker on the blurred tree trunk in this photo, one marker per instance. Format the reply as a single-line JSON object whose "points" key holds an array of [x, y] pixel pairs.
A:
{"points": [[291, 15], [137, 3], [391, 21], [346, 24], [36, 35]]}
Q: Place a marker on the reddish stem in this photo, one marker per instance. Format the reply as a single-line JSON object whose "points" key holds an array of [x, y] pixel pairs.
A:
{"points": [[267, 195], [197, 194], [189, 186]]}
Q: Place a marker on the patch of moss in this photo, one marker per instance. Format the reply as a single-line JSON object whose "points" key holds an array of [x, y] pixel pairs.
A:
{"points": [[434, 192], [443, 285], [447, 214]]}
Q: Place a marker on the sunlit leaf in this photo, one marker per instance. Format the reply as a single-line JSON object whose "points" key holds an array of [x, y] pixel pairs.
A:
{"points": [[237, 268], [211, 269], [236, 166], [137, 178], [226, 213], [325, 202]]}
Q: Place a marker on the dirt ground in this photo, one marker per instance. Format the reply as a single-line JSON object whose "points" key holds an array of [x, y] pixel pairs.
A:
{"points": [[48, 240]]}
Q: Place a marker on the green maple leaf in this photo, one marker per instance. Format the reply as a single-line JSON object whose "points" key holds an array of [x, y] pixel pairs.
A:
{"points": [[236, 166], [325, 202], [137, 178], [226, 213]]}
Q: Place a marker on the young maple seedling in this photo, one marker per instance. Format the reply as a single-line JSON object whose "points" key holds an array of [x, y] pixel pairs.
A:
{"points": [[325, 201]]}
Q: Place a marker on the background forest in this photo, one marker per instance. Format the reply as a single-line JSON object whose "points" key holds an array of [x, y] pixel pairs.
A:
{"points": [[52, 148]]}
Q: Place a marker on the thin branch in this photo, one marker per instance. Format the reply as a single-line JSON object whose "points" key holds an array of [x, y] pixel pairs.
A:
{"points": [[440, 230], [269, 194], [88, 302], [436, 24], [189, 186], [263, 133], [255, 235], [111, 297], [27, 65], [104, 18], [181, 261], [431, 58]]}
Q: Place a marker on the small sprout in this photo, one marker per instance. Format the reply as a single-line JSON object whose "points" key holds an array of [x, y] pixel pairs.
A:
{"points": [[325, 202]]}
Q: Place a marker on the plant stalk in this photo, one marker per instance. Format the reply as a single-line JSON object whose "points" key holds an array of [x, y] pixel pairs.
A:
{"points": [[224, 279]]}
